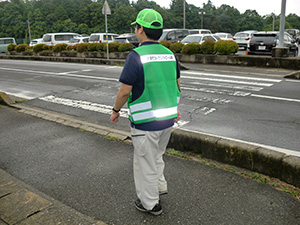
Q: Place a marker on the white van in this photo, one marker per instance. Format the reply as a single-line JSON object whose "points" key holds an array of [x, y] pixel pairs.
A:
{"points": [[101, 37], [4, 42], [199, 31], [58, 38]]}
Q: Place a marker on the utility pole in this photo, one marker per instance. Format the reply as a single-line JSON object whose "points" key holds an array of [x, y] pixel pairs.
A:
{"points": [[183, 14], [282, 23], [29, 33], [273, 26], [106, 11], [201, 13]]}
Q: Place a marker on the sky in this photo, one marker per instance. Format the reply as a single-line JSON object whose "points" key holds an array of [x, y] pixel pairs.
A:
{"points": [[262, 7]]}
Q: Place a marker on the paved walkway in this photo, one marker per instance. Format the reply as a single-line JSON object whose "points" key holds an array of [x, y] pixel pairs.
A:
{"points": [[60, 170]]}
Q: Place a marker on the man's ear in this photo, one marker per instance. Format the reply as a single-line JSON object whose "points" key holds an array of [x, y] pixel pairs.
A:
{"points": [[141, 30]]}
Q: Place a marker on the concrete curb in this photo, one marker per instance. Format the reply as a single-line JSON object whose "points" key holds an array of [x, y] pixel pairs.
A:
{"points": [[294, 75], [277, 163], [21, 204]]}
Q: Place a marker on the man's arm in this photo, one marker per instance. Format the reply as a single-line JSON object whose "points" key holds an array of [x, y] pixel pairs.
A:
{"points": [[178, 112], [122, 96]]}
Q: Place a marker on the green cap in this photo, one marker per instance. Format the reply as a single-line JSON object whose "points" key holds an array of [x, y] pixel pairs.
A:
{"points": [[146, 17]]}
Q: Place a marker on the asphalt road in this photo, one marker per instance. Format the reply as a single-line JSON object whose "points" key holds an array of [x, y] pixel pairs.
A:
{"points": [[249, 104], [94, 175]]}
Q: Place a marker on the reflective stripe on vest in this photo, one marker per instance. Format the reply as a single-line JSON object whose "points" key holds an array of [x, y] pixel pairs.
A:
{"points": [[157, 58], [144, 106], [159, 113]]}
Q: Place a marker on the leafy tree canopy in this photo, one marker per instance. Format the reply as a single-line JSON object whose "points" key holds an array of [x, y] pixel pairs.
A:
{"points": [[85, 17]]}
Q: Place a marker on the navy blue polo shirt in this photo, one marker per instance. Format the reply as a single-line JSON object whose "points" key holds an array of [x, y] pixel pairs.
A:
{"points": [[133, 75]]}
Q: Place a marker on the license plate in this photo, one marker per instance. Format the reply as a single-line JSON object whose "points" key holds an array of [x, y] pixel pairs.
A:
{"points": [[261, 47]]}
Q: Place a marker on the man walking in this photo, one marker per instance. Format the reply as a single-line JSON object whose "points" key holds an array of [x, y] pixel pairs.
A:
{"points": [[151, 87]]}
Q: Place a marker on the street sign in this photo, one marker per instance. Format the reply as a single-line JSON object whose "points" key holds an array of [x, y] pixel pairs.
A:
{"points": [[106, 9]]}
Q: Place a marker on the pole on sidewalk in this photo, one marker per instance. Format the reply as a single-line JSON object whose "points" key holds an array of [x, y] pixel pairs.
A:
{"points": [[282, 23], [106, 11]]}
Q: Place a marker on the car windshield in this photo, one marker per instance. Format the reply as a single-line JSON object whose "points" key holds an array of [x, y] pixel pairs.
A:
{"points": [[63, 37], [6, 41], [122, 40], [242, 35], [222, 35], [95, 38], [190, 39], [217, 37], [74, 40], [265, 35], [164, 34], [291, 32]]}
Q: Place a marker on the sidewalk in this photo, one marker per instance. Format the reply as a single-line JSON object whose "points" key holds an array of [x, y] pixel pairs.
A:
{"points": [[89, 179]]}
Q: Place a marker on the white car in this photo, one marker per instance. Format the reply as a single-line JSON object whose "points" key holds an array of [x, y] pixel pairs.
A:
{"points": [[224, 36], [243, 38], [199, 31], [101, 37], [199, 38], [58, 38], [35, 42], [78, 40]]}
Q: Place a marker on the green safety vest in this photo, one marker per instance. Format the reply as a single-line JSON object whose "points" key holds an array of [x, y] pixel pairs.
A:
{"points": [[161, 94]]}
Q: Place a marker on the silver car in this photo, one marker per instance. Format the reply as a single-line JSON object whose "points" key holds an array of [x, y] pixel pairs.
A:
{"points": [[243, 38], [199, 38]]}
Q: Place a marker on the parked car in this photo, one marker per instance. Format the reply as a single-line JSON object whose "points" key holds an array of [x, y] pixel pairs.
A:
{"points": [[127, 38], [263, 42], [199, 31], [58, 38], [4, 42], [78, 40], [224, 36], [174, 35], [199, 38], [35, 42], [295, 33], [101, 37], [243, 38]]}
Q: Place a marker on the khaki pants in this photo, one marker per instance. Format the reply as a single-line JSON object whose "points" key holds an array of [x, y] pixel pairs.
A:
{"points": [[148, 164]]}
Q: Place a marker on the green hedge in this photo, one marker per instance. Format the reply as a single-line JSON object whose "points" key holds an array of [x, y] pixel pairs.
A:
{"points": [[11, 47], [191, 48], [226, 47], [207, 47], [176, 47], [38, 48], [22, 48], [167, 44], [125, 47]]}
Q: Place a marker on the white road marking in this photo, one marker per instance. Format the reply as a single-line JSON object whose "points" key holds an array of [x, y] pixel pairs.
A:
{"points": [[292, 80], [229, 81], [217, 91], [276, 98], [232, 86], [106, 109], [230, 76], [60, 74]]}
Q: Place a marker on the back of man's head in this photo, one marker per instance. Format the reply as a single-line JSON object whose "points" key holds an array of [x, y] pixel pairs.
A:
{"points": [[151, 21]]}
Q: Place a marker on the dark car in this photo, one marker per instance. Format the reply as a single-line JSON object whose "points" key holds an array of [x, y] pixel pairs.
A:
{"points": [[295, 33], [263, 42], [174, 35], [127, 38]]}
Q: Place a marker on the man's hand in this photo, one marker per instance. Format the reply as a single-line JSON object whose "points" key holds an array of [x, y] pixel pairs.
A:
{"points": [[178, 117], [114, 117]]}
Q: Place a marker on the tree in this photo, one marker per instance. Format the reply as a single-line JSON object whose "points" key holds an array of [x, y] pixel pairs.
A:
{"points": [[251, 20]]}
